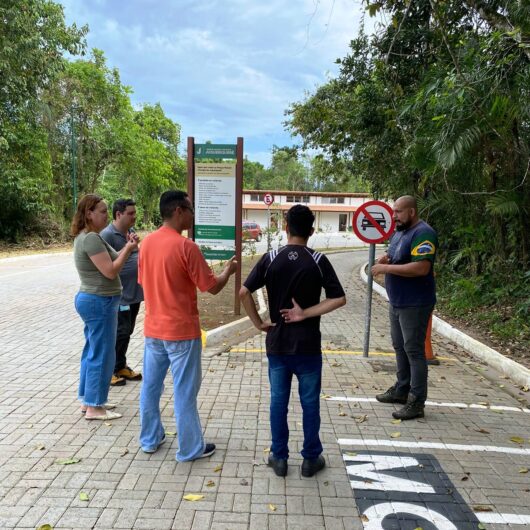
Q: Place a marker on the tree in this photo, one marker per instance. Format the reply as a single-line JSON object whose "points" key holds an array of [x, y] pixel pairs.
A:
{"points": [[33, 40]]}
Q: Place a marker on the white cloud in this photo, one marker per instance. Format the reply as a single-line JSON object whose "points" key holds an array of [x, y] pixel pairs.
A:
{"points": [[222, 69]]}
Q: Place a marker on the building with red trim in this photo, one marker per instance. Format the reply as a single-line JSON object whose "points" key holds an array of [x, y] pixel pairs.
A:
{"points": [[333, 211]]}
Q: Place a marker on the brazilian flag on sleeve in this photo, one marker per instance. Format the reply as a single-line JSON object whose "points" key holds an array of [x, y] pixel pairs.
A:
{"points": [[424, 246]]}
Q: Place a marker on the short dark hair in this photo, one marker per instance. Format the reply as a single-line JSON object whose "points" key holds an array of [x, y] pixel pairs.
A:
{"points": [[121, 205], [170, 201], [300, 220]]}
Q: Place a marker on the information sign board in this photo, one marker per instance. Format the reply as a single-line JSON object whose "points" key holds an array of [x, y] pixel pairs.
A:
{"points": [[215, 207]]}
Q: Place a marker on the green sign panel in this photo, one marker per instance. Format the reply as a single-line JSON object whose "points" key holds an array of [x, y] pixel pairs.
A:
{"points": [[215, 151], [210, 253], [215, 232]]}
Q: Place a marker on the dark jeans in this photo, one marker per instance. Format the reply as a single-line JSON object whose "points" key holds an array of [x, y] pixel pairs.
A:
{"points": [[408, 326], [308, 370], [126, 323]]}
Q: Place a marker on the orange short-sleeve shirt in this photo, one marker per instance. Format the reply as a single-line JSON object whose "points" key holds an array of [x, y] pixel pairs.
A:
{"points": [[170, 269]]}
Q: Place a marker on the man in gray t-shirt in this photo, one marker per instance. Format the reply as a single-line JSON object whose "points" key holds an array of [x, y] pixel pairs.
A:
{"points": [[124, 217]]}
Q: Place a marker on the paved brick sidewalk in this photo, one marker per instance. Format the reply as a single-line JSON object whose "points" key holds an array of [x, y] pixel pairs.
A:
{"points": [[367, 473]]}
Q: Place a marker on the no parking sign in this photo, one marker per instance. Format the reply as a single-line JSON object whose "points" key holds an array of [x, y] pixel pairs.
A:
{"points": [[373, 222]]}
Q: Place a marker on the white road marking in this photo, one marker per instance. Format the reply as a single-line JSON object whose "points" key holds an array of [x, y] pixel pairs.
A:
{"points": [[376, 514], [502, 518], [438, 404], [374, 480], [433, 445]]}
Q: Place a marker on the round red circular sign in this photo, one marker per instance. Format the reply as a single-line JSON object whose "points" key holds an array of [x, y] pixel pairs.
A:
{"points": [[373, 222], [268, 199]]}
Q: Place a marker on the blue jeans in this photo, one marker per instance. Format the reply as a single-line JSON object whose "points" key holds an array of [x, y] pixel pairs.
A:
{"points": [[408, 327], [184, 358], [308, 370], [100, 315]]}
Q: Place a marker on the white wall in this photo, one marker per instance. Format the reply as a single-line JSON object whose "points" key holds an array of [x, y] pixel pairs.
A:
{"points": [[328, 221]]}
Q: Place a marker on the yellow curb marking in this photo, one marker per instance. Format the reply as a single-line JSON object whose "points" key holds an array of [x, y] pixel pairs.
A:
{"points": [[333, 352]]}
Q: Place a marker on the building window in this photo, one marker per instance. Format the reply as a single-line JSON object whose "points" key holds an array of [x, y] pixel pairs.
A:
{"points": [[332, 200], [297, 198], [257, 197]]}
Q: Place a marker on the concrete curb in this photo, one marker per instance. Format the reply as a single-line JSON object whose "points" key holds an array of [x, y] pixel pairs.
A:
{"points": [[515, 371], [233, 332]]}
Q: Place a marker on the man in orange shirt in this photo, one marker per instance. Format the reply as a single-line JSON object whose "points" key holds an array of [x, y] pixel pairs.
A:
{"points": [[170, 269]]}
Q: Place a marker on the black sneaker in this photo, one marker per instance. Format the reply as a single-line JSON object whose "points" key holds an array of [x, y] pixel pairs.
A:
{"points": [[278, 465], [209, 450], [413, 409], [312, 466], [390, 396]]}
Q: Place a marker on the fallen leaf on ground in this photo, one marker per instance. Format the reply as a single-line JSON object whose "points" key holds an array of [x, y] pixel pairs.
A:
{"points": [[361, 419], [396, 422], [517, 440], [342, 413], [464, 478], [108, 424], [193, 497], [325, 396], [67, 461], [218, 468], [125, 452], [481, 508], [272, 507], [171, 433], [267, 450], [211, 370], [210, 483], [525, 388], [481, 527], [523, 470], [395, 435], [335, 364], [482, 431], [40, 447], [364, 518], [83, 496], [418, 528], [243, 482], [45, 527]]}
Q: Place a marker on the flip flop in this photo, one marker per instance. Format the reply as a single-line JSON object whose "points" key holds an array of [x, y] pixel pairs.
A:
{"points": [[108, 406], [107, 416]]}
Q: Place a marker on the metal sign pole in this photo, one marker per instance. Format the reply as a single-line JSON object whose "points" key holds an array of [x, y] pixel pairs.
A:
{"points": [[368, 315], [268, 228]]}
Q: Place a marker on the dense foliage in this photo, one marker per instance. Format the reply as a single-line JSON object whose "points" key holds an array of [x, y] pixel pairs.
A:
{"points": [[56, 112], [436, 104]]}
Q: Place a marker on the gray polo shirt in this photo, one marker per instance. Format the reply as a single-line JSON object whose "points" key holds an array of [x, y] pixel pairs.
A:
{"points": [[132, 292]]}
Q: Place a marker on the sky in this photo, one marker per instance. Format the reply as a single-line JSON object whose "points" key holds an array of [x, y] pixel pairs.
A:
{"points": [[222, 69]]}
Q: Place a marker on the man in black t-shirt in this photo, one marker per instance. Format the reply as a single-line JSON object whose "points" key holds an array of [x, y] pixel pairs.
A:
{"points": [[294, 277]]}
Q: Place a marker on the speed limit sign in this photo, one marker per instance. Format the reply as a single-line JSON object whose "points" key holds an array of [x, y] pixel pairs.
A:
{"points": [[268, 199]]}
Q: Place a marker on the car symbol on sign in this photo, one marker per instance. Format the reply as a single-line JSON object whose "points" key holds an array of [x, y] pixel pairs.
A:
{"points": [[379, 218]]}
